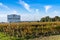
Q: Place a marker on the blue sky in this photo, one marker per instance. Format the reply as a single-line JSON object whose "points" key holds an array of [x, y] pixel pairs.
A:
{"points": [[29, 10]]}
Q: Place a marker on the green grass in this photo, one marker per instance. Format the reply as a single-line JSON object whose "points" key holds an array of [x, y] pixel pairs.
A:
{"points": [[6, 37]]}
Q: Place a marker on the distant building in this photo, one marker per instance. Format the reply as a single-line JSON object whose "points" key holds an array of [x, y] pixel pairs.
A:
{"points": [[13, 18]]}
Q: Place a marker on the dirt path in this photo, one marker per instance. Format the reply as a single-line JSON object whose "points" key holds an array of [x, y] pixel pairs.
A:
{"points": [[56, 37]]}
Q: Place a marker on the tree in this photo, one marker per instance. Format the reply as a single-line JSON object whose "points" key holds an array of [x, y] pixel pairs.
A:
{"points": [[46, 19], [57, 18], [42, 20]]}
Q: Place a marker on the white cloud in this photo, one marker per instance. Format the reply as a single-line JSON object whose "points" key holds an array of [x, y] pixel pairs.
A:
{"points": [[33, 16], [5, 12], [34, 13], [9, 10], [55, 12], [37, 15], [26, 6], [13, 12], [27, 17], [2, 5], [47, 8], [3, 17], [37, 11]]}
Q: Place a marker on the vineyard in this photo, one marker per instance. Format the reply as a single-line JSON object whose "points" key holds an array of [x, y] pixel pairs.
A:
{"points": [[30, 30]]}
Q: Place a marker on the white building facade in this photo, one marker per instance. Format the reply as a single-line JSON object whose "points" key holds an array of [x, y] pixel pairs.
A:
{"points": [[13, 18]]}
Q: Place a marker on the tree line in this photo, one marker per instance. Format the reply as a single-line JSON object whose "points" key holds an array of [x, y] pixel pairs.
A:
{"points": [[49, 19]]}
